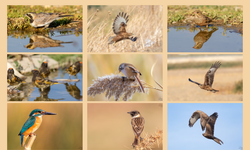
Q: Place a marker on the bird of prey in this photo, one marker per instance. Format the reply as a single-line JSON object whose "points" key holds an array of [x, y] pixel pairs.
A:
{"points": [[209, 78], [206, 122], [119, 28], [44, 19], [201, 19]]}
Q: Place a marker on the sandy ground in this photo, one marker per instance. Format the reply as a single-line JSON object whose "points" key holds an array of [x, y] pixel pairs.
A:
{"points": [[180, 89]]}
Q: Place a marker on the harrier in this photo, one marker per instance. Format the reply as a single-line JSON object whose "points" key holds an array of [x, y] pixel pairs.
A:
{"points": [[44, 19], [209, 78], [206, 122], [119, 28]]}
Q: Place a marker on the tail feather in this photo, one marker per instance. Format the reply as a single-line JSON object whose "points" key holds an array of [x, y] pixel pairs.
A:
{"points": [[110, 40], [141, 86], [66, 15], [135, 143], [217, 140]]}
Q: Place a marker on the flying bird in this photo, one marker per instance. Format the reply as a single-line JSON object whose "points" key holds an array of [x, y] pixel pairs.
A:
{"points": [[119, 28], [137, 122], [200, 19], [44, 19], [206, 122], [209, 78], [32, 124]]}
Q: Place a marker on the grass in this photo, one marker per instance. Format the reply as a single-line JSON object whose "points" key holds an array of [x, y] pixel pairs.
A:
{"points": [[18, 21], [145, 22], [231, 14], [238, 87], [202, 65]]}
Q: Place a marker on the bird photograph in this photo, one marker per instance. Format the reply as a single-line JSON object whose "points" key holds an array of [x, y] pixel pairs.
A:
{"points": [[213, 28], [124, 77], [126, 28], [44, 126], [44, 28], [205, 126], [139, 124], [51, 77], [210, 77]]}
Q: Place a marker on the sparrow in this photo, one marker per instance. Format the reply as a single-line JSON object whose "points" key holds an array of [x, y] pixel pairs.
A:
{"points": [[73, 69], [44, 70], [40, 82], [201, 19], [44, 19], [12, 79], [137, 123], [131, 73], [202, 37]]}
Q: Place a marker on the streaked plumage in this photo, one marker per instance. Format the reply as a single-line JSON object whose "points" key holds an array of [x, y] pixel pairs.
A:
{"points": [[209, 78], [137, 123], [44, 70], [206, 122], [44, 19], [32, 124], [119, 28], [201, 19]]}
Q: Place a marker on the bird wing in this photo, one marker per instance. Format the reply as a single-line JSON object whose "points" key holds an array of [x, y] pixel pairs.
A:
{"points": [[198, 115], [29, 123], [43, 19], [138, 125], [210, 124], [134, 69], [209, 77], [193, 81], [120, 23]]}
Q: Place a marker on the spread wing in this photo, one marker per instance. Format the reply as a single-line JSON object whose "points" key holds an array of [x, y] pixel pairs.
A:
{"points": [[198, 115], [138, 125], [209, 77], [30, 122], [193, 81], [120, 23], [210, 124]]}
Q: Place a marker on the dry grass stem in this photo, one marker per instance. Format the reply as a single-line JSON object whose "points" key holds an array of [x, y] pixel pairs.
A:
{"points": [[115, 86], [152, 70], [150, 141], [145, 22]]}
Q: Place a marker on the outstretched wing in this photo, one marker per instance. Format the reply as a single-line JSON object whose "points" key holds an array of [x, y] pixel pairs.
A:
{"points": [[120, 23], [198, 115], [193, 81], [209, 77], [210, 124]]}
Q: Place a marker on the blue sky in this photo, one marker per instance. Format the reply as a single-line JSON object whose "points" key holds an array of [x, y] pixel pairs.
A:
{"points": [[228, 126]]}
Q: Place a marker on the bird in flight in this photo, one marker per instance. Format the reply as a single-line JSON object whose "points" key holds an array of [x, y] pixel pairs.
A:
{"points": [[209, 78], [44, 19], [119, 28], [206, 122]]}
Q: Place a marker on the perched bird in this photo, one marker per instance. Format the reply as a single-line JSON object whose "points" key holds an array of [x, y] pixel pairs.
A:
{"points": [[73, 69], [202, 37], [201, 19], [44, 19], [137, 122], [119, 28], [32, 124], [131, 73], [40, 82], [206, 122], [12, 79], [209, 78], [44, 69]]}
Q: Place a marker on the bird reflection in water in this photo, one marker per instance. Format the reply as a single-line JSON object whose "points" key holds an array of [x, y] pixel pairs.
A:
{"points": [[202, 37], [43, 41], [44, 95], [73, 90]]}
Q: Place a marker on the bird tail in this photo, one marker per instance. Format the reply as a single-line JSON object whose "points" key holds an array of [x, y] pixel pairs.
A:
{"points": [[110, 40], [214, 91], [217, 140], [141, 86], [193, 81], [135, 143], [65, 16]]}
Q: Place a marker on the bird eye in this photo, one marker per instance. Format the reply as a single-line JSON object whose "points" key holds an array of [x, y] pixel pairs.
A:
{"points": [[39, 111], [197, 12]]}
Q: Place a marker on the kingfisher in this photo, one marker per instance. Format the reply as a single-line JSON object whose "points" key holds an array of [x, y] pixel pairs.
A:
{"points": [[32, 124]]}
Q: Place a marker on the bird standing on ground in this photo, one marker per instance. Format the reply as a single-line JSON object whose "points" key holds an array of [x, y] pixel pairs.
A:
{"points": [[44, 69], [131, 73], [137, 123], [44, 19], [119, 28], [201, 19], [206, 122], [12, 79], [32, 124], [73, 69], [209, 78]]}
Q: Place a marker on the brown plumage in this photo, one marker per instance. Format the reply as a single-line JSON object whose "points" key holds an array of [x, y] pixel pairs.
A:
{"points": [[73, 69], [119, 28], [44, 70], [202, 37], [12, 79], [206, 122], [201, 19], [209, 78]]}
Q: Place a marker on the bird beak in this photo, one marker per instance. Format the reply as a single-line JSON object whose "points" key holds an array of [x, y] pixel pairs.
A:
{"points": [[48, 113], [128, 112]]}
